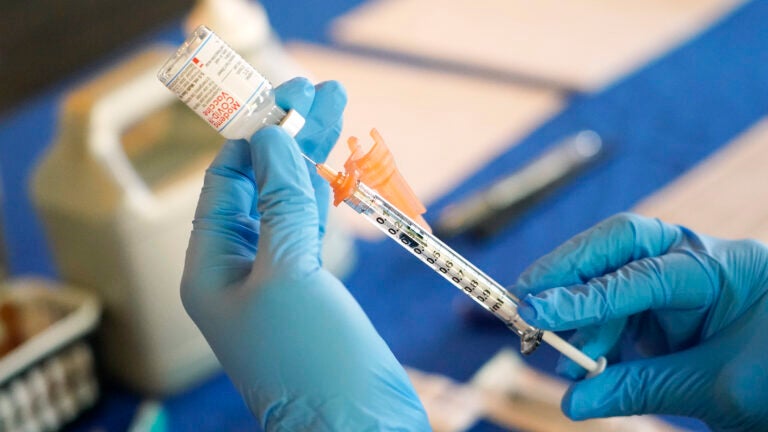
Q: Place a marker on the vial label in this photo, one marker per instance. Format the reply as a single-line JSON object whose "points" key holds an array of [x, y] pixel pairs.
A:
{"points": [[216, 82]]}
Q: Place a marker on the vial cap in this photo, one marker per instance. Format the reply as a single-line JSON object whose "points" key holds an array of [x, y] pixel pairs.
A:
{"points": [[292, 123]]}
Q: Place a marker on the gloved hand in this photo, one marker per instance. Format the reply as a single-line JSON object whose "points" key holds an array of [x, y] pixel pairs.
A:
{"points": [[696, 306], [298, 347]]}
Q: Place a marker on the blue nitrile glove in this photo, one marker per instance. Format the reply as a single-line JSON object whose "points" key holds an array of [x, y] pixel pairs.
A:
{"points": [[696, 306], [293, 340]]}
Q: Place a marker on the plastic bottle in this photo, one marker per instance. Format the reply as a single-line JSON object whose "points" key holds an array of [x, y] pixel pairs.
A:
{"points": [[117, 191]]}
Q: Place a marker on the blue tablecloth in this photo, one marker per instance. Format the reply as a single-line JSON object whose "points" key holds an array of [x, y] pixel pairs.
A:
{"points": [[658, 122]]}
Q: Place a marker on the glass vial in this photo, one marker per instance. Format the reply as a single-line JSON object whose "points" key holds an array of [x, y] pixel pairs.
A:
{"points": [[223, 89]]}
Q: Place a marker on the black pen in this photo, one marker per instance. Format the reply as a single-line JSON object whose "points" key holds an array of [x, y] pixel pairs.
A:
{"points": [[488, 211]]}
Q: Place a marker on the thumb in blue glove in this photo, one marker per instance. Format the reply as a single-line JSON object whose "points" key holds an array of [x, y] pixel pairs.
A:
{"points": [[695, 305], [290, 336]]}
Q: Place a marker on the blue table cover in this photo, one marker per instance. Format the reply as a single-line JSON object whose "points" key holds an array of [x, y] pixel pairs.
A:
{"points": [[658, 122]]}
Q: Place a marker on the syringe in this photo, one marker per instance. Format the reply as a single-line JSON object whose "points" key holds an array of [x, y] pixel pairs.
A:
{"points": [[236, 100], [448, 263]]}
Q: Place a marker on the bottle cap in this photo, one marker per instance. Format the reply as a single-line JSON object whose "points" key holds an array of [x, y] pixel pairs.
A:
{"points": [[292, 122]]}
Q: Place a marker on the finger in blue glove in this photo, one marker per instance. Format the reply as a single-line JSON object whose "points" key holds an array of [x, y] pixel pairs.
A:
{"points": [[693, 303], [293, 340]]}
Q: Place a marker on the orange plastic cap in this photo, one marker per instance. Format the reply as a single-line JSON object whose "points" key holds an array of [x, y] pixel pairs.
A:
{"points": [[377, 169], [342, 184]]}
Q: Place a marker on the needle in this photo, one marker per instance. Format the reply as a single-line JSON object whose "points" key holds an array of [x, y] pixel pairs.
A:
{"points": [[310, 160]]}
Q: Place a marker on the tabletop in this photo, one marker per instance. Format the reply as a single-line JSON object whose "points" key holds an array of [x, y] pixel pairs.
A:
{"points": [[658, 122]]}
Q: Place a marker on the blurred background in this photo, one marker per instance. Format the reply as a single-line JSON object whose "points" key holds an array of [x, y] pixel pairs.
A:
{"points": [[100, 168]]}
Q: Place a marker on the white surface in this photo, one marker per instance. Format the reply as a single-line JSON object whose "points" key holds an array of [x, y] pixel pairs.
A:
{"points": [[580, 43], [440, 127], [450, 406], [725, 195]]}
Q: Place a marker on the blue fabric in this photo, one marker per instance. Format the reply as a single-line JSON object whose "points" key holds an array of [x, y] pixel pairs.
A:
{"points": [[659, 121]]}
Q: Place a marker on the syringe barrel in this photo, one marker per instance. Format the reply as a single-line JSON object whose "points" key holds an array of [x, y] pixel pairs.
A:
{"points": [[445, 261]]}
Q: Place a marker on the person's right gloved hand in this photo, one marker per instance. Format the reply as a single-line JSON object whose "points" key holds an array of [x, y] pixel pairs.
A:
{"points": [[296, 344], [697, 307]]}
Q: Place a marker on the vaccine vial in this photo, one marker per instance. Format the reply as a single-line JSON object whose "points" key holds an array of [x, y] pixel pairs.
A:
{"points": [[223, 89]]}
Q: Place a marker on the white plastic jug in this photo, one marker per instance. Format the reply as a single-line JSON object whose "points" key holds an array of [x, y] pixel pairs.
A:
{"points": [[118, 217]]}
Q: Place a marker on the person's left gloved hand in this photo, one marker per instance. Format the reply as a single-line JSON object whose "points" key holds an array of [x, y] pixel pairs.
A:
{"points": [[290, 336], [696, 306]]}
